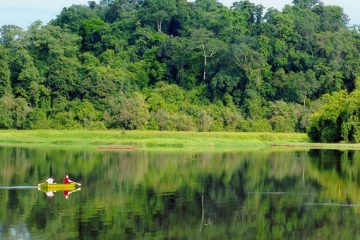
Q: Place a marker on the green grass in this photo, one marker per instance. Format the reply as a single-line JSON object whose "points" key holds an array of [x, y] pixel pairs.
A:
{"points": [[156, 140]]}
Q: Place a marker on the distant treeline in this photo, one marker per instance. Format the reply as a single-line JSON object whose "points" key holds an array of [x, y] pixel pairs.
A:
{"points": [[177, 65]]}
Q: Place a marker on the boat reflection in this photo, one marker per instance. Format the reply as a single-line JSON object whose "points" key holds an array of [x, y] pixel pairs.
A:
{"points": [[51, 194]]}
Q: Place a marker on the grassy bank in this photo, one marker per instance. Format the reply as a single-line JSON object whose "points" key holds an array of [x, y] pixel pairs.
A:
{"points": [[155, 140], [147, 139]]}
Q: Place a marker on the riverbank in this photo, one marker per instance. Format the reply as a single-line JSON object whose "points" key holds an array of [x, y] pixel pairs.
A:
{"points": [[118, 140], [146, 140]]}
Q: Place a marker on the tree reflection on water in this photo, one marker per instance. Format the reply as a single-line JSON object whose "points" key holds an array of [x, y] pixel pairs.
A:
{"points": [[130, 195]]}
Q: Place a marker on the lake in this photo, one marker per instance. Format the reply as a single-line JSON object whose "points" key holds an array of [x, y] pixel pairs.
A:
{"points": [[266, 194]]}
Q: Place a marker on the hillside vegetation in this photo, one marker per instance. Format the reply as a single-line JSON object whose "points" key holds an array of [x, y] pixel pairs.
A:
{"points": [[177, 65]]}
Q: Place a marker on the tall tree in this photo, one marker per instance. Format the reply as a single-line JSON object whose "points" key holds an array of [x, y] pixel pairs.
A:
{"points": [[251, 12], [157, 11], [5, 84], [306, 3], [332, 18], [205, 42], [10, 34]]}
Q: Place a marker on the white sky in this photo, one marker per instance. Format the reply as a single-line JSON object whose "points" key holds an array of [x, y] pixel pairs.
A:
{"points": [[25, 12]]}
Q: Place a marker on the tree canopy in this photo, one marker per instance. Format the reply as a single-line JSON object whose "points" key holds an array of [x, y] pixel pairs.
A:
{"points": [[177, 65]]}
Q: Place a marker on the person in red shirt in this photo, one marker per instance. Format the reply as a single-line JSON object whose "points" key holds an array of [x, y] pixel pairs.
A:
{"points": [[67, 180]]}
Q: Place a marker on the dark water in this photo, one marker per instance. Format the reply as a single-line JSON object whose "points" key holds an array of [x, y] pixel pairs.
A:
{"points": [[270, 194]]}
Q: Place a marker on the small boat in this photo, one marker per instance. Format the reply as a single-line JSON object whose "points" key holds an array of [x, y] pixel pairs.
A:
{"points": [[56, 186]]}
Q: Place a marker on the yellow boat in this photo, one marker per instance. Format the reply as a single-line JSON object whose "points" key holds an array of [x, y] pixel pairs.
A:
{"points": [[56, 186]]}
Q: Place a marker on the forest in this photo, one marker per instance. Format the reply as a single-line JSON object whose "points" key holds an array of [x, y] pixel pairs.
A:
{"points": [[185, 66]]}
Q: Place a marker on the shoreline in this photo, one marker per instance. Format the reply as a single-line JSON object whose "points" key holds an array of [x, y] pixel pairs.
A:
{"points": [[120, 140]]}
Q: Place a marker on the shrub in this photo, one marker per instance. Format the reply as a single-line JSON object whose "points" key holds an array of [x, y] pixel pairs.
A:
{"points": [[183, 122], [36, 119], [6, 121], [232, 120], [325, 125], [257, 125], [204, 122], [132, 113], [285, 117], [74, 114], [162, 120], [20, 112]]}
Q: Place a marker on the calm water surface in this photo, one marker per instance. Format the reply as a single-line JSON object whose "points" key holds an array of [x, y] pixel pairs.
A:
{"points": [[269, 194]]}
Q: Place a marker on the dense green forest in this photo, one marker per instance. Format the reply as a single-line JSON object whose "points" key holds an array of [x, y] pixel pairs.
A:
{"points": [[177, 65]]}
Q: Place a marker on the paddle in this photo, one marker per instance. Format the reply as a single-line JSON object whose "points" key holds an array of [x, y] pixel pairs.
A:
{"points": [[79, 189], [77, 184], [40, 184]]}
